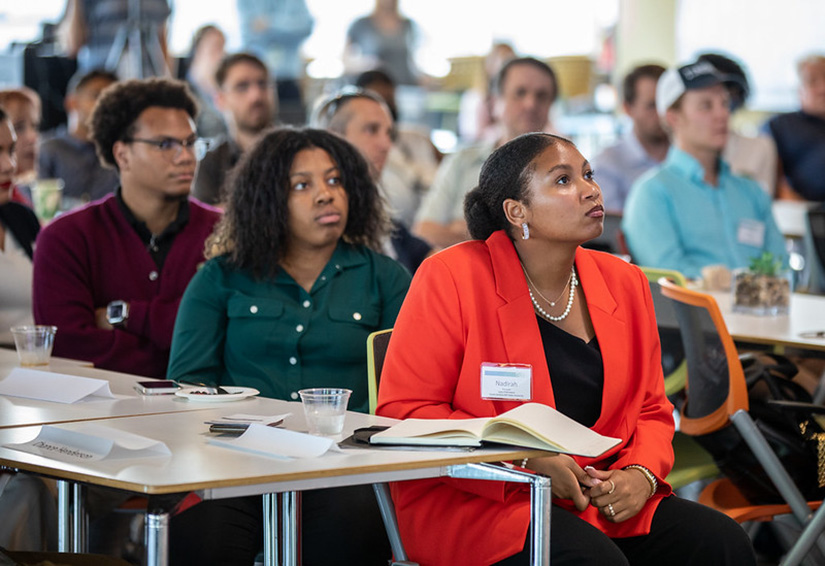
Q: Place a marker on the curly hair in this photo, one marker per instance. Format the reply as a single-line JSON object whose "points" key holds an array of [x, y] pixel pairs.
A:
{"points": [[504, 175], [120, 105], [254, 232]]}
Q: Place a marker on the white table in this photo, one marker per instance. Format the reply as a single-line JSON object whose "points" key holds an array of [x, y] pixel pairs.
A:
{"points": [[791, 216], [17, 411], [807, 314], [215, 472]]}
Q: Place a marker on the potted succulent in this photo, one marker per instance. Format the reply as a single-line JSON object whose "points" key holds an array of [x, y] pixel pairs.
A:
{"points": [[763, 288]]}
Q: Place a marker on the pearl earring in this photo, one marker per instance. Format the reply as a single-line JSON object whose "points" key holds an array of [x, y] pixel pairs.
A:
{"points": [[525, 231]]}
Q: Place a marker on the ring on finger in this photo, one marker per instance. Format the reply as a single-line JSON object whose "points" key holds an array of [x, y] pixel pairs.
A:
{"points": [[612, 487], [610, 511]]}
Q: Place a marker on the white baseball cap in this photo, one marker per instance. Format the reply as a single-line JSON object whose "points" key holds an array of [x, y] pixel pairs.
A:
{"points": [[677, 80]]}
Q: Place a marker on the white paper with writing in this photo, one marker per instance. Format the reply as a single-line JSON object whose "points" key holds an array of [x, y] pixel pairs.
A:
{"points": [[90, 443], [56, 387], [278, 442]]}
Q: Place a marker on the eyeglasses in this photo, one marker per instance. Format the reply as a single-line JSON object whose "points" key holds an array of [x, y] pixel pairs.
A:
{"points": [[172, 148]]}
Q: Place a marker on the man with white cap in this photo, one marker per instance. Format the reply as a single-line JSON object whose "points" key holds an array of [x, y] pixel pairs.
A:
{"points": [[692, 212]]}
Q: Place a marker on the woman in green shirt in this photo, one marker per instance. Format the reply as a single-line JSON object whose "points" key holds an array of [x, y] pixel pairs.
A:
{"points": [[293, 287]]}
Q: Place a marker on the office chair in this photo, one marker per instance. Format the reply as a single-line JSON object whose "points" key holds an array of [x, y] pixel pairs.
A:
{"points": [[717, 397]]}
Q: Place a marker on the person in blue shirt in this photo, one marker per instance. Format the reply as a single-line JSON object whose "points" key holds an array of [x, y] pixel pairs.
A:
{"points": [[692, 212]]}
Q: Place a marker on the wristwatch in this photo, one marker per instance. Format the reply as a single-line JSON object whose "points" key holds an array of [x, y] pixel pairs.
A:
{"points": [[117, 313]]}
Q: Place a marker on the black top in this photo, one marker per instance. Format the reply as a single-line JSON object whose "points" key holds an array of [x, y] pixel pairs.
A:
{"points": [[21, 221], [158, 245], [577, 372]]}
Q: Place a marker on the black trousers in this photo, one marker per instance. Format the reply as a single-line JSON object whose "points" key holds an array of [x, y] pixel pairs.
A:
{"points": [[683, 533], [339, 526]]}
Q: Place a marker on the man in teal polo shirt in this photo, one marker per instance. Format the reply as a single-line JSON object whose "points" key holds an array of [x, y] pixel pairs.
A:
{"points": [[691, 211]]}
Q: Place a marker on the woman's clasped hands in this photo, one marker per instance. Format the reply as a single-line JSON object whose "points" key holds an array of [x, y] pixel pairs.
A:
{"points": [[617, 494]]}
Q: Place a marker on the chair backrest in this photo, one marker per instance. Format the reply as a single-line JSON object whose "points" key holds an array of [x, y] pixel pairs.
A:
{"points": [[674, 364], [377, 344], [815, 237], [716, 386]]}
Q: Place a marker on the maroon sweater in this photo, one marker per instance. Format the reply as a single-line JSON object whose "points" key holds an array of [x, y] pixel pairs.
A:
{"points": [[87, 258]]}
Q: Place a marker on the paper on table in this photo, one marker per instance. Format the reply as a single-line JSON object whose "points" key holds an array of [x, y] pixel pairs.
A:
{"points": [[49, 386], [277, 442], [90, 443], [243, 418]]}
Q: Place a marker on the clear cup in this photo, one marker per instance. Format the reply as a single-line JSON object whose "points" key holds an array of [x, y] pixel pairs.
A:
{"points": [[33, 344], [325, 409], [46, 197]]}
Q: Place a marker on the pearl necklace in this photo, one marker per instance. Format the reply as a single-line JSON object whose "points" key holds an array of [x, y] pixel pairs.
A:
{"points": [[573, 281]]}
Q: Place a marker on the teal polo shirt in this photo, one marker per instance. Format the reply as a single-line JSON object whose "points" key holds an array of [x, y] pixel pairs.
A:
{"points": [[273, 335], [674, 220]]}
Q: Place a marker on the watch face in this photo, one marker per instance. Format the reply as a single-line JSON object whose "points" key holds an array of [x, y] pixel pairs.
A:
{"points": [[114, 312]]}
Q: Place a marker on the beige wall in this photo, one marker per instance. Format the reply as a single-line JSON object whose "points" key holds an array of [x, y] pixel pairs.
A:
{"points": [[646, 33]]}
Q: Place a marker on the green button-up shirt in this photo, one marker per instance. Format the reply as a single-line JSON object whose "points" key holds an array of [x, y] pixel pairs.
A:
{"points": [[273, 335]]}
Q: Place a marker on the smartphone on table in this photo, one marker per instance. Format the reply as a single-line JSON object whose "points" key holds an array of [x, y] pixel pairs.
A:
{"points": [[157, 387]]}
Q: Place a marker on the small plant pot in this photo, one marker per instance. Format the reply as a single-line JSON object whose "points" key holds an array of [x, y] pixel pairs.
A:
{"points": [[759, 294]]}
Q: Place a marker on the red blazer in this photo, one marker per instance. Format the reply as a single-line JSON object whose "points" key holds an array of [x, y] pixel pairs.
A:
{"points": [[470, 304]]}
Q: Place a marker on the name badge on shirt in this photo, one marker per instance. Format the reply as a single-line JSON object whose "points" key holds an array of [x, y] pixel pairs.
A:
{"points": [[751, 233], [510, 382]]}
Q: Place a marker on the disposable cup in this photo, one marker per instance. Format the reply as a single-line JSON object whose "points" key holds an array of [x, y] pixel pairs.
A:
{"points": [[33, 344], [325, 409], [46, 197]]}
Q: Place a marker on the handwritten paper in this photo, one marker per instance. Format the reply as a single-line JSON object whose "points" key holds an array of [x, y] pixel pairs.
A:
{"points": [[56, 387], [278, 443], [90, 443]]}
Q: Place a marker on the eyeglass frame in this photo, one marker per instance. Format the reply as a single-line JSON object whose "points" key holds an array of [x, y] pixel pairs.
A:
{"points": [[200, 146]]}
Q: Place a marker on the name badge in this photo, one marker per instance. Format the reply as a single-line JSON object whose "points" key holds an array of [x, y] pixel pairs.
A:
{"points": [[510, 382], [751, 233]]}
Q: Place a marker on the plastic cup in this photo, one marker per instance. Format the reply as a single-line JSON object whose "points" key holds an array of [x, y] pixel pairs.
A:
{"points": [[33, 344], [46, 197], [325, 410]]}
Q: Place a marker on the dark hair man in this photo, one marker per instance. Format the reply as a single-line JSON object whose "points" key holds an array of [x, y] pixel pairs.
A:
{"points": [[642, 148], [71, 156], [110, 275], [525, 89], [246, 96]]}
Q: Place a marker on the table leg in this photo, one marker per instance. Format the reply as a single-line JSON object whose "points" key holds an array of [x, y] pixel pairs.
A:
{"points": [[540, 499], [540, 496], [270, 502], [64, 528], [157, 538], [79, 542], [291, 528]]}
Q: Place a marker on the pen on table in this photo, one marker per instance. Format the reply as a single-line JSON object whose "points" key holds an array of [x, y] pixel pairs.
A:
{"points": [[813, 334]]}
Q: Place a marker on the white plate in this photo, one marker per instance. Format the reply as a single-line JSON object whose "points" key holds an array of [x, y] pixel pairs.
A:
{"points": [[234, 394]]}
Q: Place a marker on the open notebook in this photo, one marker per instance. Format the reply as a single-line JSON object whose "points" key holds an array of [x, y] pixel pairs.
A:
{"points": [[531, 425]]}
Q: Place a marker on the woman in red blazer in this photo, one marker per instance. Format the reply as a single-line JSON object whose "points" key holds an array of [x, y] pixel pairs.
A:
{"points": [[524, 292]]}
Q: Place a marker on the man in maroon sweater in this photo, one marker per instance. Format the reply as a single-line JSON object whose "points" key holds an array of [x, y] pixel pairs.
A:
{"points": [[110, 275]]}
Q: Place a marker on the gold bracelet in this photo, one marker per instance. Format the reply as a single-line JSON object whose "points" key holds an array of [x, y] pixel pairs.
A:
{"points": [[651, 479]]}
